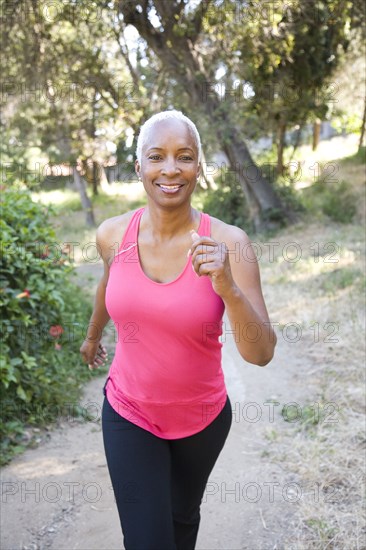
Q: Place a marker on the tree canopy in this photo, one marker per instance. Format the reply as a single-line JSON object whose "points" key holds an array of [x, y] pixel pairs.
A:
{"points": [[80, 77]]}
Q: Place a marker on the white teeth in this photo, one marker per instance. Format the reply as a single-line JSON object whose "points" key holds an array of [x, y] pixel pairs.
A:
{"points": [[169, 186]]}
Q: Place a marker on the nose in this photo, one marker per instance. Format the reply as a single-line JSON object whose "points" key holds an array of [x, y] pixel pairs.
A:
{"points": [[170, 167]]}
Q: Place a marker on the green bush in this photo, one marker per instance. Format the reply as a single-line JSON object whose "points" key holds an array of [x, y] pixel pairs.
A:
{"points": [[228, 204], [43, 316], [284, 186], [339, 203], [336, 200]]}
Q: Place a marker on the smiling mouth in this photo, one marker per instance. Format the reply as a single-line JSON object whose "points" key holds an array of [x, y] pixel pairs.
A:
{"points": [[169, 187]]}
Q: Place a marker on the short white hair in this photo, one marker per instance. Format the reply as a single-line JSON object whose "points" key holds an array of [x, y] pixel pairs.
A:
{"points": [[166, 115]]}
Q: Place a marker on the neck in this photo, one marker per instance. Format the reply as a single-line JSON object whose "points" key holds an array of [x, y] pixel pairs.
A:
{"points": [[167, 223]]}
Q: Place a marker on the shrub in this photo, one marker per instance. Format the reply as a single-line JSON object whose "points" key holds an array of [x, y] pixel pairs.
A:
{"points": [[336, 200], [284, 187], [339, 203], [228, 204], [42, 315]]}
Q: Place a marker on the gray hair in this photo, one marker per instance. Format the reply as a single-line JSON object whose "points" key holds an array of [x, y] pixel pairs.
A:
{"points": [[166, 115]]}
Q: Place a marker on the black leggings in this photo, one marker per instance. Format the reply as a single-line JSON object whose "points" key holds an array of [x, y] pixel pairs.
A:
{"points": [[159, 483]]}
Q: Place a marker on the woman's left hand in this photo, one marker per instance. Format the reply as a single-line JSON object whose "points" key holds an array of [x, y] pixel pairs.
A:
{"points": [[212, 258]]}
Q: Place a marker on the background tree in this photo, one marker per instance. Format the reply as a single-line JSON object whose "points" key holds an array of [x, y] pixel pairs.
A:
{"points": [[288, 56], [72, 99], [78, 84]]}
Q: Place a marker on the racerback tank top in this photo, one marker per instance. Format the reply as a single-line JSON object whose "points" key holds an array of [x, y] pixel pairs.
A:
{"points": [[166, 374]]}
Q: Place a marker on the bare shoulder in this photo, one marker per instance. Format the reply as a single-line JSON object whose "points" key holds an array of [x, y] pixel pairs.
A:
{"points": [[110, 233], [229, 234], [238, 243]]}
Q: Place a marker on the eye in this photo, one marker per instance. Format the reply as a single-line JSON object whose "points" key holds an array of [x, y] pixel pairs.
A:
{"points": [[186, 158], [154, 157]]}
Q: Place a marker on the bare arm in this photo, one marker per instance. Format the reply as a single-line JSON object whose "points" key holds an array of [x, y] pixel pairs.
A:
{"points": [[92, 351], [246, 308], [100, 315], [232, 266]]}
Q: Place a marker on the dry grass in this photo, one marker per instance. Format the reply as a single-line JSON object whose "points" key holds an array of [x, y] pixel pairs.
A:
{"points": [[326, 457]]}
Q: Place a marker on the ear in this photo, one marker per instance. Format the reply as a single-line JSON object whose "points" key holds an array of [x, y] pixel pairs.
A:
{"points": [[199, 170], [137, 168]]}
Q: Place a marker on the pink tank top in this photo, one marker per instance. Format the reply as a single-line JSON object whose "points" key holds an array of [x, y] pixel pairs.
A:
{"points": [[166, 374]]}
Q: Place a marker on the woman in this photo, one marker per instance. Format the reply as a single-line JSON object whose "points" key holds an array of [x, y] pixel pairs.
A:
{"points": [[166, 413]]}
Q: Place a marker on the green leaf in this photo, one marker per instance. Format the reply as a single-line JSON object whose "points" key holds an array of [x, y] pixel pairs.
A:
{"points": [[21, 393]]}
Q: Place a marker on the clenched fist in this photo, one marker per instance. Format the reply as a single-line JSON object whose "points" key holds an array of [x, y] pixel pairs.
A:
{"points": [[93, 353], [211, 258]]}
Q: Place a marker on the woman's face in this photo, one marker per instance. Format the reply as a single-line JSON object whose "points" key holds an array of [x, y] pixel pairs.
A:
{"points": [[169, 163]]}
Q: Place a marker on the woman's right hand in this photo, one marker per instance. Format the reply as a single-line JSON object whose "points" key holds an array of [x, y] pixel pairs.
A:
{"points": [[93, 353]]}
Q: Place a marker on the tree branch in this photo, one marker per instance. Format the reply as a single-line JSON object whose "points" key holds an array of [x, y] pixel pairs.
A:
{"points": [[196, 21], [124, 52], [141, 22], [169, 12]]}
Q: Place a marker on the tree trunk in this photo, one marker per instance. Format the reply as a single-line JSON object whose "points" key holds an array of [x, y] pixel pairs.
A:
{"points": [[281, 146], [297, 142], [90, 173], [95, 178], [360, 144], [85, 201], [316, 133]]}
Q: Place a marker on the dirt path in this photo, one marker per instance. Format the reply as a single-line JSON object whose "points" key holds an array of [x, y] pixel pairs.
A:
{"points": [[58, 496]]}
